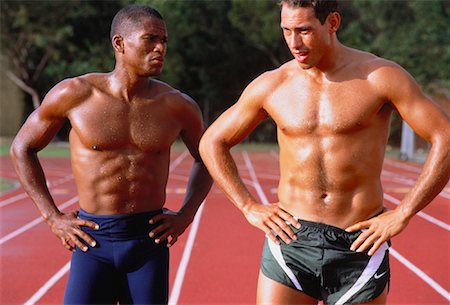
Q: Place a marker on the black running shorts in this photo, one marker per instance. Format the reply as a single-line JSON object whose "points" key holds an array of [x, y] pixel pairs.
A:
{"points": [[320, 264]]}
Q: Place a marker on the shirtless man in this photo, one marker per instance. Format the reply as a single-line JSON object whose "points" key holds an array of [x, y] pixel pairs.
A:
{"points": [[123, 125], [332, 106]]}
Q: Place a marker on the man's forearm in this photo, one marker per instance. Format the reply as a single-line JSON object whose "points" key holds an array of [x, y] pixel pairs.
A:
{"points": [[199, 184], [33, 180], [434, 177], [223, 169]]}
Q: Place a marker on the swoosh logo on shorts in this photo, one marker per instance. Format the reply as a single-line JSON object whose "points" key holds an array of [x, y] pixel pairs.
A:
{"points": [[378, 276]]}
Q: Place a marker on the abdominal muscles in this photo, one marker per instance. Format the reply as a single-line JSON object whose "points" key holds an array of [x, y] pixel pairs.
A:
{"points": [[331, 180], [120, 182]]}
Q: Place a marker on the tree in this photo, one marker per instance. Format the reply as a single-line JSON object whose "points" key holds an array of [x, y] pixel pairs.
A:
{"points": [[413, 33], [258, 22], [49, 40]]}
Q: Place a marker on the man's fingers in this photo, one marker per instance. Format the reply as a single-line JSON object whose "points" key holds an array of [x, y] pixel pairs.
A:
{"points": [[375, 246], [67, 245], [157, 218], [78, 242], [162, 237], [289, 218], [285, 231], [360, 240], [370, 240], [158, 230], [86, 237], [88, 223], [359, 226], [172, 240], [277, 231]]}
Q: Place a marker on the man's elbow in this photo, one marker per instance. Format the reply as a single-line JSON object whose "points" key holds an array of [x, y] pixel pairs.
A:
{"points": [[209, 146], [19, 150], [205, 142], [15, 150]]}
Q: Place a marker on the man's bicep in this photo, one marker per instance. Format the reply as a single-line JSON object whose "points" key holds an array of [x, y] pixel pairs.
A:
{"points": [[237, 122], [38, 130], [426, 118], [192, 131], [45, 122], [423, 115]]}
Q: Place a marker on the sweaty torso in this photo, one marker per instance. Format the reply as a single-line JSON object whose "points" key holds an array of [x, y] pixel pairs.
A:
{"points": [[332, 134], [120, 150]]}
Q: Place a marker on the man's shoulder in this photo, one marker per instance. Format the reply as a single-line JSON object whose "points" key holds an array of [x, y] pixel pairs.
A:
{"points": [[270, 80], [81, 85], [371, 63], [74, 89], [173, 97], [384, 76], [162, 90]]}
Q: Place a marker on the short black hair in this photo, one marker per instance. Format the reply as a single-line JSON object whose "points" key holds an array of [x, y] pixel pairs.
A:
{"points": [[130, 16], [322, 8]]}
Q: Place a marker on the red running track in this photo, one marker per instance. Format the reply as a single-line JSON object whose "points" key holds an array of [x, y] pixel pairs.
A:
{"points": [[216, 261]]}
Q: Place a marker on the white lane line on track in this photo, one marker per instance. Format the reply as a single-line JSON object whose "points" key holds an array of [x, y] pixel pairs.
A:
{"points": [[409, 182], [181, 272], [178, 160], [13, 199], [49, 284], [432, 283], [35, 222], [24, 195], [256, 184], [423, 215]]}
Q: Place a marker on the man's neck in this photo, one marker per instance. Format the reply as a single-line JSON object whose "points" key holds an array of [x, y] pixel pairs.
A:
{"points": [[127, 85], [333, 59]]}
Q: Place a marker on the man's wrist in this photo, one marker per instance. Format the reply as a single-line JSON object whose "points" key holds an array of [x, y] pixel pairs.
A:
{"points": [[246, 207], [49, 217], [188, 216], [405, 213]]}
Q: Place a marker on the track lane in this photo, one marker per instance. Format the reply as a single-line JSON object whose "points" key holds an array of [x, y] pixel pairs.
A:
{"points": [[225, 257]]}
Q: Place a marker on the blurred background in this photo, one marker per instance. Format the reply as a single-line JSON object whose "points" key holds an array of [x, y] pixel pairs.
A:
{"points": [[215, 49]]}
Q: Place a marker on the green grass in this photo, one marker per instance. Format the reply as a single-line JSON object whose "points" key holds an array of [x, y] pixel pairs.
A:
{"points": [[60, 150], [6, 185]]}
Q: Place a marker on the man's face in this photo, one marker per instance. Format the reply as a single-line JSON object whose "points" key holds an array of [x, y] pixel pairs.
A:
{"points": [[146, 46], [305, 36]]}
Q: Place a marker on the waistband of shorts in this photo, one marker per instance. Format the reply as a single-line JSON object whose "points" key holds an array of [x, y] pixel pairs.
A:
{"points": [[85, 215], [120, 226], [320, 226], [327, 227]]}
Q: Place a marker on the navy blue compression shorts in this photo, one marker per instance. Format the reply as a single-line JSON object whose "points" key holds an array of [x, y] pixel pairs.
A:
{"points": [[125, 266]]}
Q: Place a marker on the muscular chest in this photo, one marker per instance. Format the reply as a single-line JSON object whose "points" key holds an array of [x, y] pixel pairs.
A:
{"points": [[110, 124], [337, 108]]}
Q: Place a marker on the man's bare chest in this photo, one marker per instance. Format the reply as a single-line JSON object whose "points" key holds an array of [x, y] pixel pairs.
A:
{"points": [[114, 125], [334, 110]]}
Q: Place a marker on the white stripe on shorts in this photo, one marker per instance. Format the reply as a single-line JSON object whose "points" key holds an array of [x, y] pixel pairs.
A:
{"points": [[276, 252], [372, 267]]}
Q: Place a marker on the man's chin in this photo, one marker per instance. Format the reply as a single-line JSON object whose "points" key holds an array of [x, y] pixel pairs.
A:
{"points": [[304, 66], [153, 72]]}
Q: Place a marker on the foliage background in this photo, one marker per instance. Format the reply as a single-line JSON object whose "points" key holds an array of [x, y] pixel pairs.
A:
{"points": [[216, 47]]}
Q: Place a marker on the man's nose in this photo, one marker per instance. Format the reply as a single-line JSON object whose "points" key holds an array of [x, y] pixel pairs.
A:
{"points": [[160, 47], [295, 41]]}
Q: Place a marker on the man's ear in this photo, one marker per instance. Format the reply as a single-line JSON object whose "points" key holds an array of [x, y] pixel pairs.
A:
{"points": [[118, 43], [334, 20]]}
